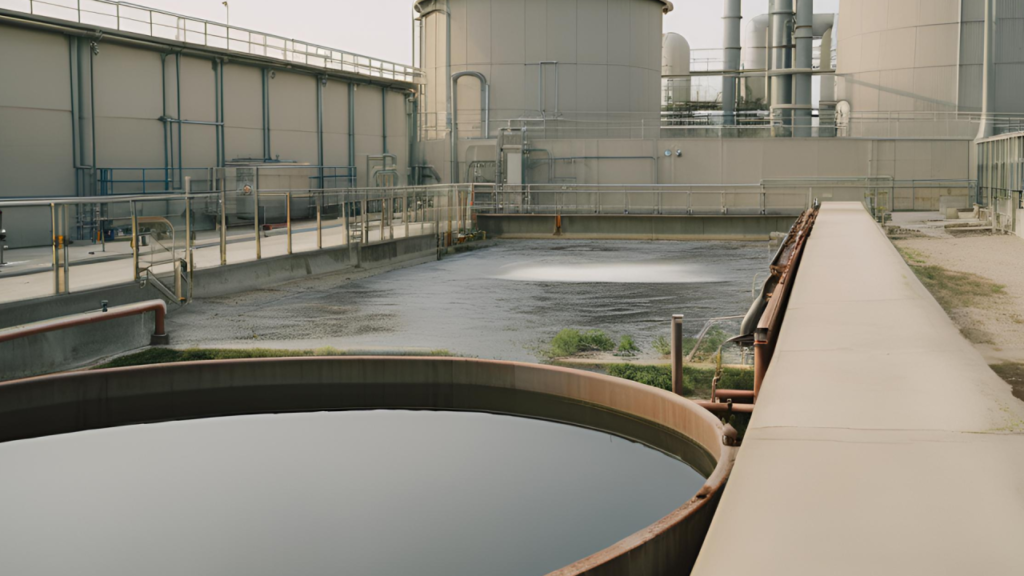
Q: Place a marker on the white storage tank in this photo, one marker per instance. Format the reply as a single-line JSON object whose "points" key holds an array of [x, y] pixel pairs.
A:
{"points": [[675, 69], [571, 60], [924, 61]]}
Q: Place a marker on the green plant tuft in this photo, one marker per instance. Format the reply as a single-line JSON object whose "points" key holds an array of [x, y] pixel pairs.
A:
{"points": [[570, 342]]}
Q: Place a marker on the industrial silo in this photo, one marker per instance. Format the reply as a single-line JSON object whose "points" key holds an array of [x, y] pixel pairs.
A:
{"points": [[568, 61], [675, 70], [912, 68]]}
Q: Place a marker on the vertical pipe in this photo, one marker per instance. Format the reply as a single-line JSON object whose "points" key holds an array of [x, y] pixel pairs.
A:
{"points": [[320, 82], [92, 108], [804, 61], [988, 92], [216, 113], [677, 354], [73, 81], [453, 131], [223, 131], [731, 22], [351, 131], [782, 86], [384, 116], [177, 86]]}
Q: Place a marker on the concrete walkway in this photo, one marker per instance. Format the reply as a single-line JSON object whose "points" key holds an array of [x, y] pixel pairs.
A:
{"points": [[90, 271], [882, 443]]}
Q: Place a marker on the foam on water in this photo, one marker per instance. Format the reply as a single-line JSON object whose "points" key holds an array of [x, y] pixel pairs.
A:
{"points": [[609, 273]]}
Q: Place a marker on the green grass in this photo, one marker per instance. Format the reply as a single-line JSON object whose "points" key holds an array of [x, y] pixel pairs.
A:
{"points": [[570, 342], [628, 347], [662, 346], [165, 355], [709, 346], [696, 381], [952, 290]]}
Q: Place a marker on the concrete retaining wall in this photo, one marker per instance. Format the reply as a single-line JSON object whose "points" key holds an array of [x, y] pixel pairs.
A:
{"points": [[98, 399], [634, 227]]}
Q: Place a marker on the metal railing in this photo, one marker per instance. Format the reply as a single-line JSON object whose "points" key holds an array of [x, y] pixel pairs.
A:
{"points": [[146, 21], [660, 200], [167, 237]]}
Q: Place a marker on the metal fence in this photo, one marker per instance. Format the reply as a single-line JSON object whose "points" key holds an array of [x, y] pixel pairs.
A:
{"points": [[161, 239], [146, 21], [664, 200]]}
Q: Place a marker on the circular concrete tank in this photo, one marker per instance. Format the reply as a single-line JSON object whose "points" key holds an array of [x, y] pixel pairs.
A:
{"points": [[675, 61], [553, 59], [92, 400]]}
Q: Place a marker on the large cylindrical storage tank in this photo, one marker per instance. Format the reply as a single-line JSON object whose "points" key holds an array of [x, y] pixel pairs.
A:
{"points": [[549, 63], [675, 62], [903, 64]]}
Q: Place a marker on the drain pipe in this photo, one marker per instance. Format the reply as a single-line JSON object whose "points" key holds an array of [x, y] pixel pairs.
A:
{"points": [[158, 307], [804, 59], [485, 111], [782, 59], [732, 18], [988, 92]]}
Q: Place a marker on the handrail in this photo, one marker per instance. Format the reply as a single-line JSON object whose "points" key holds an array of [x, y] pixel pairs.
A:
{"points": [[157, 306], [138, 19]]}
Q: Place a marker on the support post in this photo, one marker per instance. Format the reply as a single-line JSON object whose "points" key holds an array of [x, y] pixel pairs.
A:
{"points": [[288, 218], [223, 227], [677, 354], [256, 213], [135, 240], [760, 359], [319, 220]]}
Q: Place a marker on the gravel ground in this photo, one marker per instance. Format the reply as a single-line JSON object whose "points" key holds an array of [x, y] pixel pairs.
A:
{"points": [[999, 259]]}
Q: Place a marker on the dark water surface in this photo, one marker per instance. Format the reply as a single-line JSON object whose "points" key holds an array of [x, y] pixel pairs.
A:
{"points": [[354, 493]]}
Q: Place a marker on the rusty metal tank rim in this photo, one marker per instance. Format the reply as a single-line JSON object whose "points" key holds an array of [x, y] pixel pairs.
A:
{"points": [[78, 401]]}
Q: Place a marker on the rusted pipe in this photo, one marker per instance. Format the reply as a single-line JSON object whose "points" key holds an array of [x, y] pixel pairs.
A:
{"points": [[741, 396], [677, 354], [725, 407], [156, 306]]}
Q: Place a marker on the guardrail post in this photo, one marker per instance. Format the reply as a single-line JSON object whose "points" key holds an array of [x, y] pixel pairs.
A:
{"points": [[256, 214], [223, 227], [365, 232], [188, 232], [288, 218], [405, 211], [344, 210], [135, 240], [319, 220], [677, 354]]}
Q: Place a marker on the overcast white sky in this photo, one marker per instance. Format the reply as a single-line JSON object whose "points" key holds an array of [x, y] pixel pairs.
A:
{"points": [[381, 28]]}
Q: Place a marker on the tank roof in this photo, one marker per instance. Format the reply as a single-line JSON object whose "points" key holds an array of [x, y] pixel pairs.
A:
{"points": [[666, 5]]}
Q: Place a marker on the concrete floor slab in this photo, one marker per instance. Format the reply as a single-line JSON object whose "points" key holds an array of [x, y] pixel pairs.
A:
{"points": [[882, 443]]}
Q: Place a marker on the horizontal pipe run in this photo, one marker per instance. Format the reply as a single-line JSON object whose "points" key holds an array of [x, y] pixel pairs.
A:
{"points": [[744, 396], [137, 309], [725, 408]]}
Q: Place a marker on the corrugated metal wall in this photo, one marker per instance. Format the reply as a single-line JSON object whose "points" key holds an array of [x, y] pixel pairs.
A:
{"points": [[132, 88]]}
